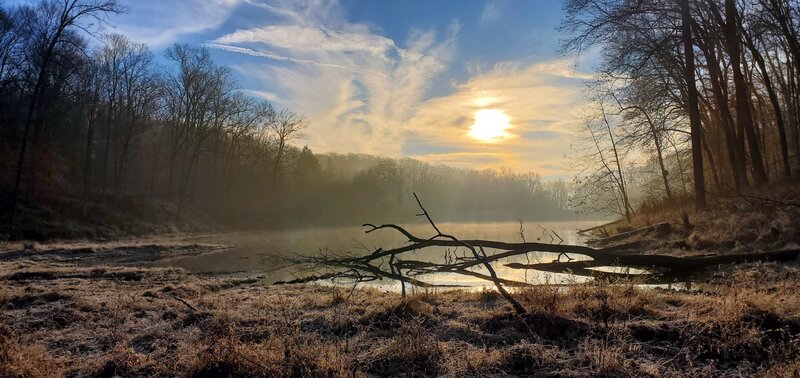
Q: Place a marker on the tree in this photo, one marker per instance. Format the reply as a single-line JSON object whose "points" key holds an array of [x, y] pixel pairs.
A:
{"points": [[286, 127], [307, 170], [692, 106], [688, 63], [744, 118], [139, 91], [67, 14], [189, 108]]}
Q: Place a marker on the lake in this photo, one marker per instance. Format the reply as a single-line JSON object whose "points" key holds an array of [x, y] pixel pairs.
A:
{"points": [[255, 251]]}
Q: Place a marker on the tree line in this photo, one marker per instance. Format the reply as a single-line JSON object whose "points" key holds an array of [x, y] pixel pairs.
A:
{"points": [[363, 187], [90, 119], [704, 92]]}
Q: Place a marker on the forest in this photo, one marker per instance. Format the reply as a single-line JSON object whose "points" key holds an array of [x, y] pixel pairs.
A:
{"points": [[92, 123], [691, 98]]}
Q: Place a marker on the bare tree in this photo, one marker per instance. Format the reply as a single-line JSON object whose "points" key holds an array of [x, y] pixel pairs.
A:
{"points": [[68, 15], [744, 117], [692, 106], [140, 89], [286, 126]]}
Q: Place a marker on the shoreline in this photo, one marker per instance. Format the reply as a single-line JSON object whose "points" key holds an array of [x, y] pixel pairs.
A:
{"points": [[62, 318]]}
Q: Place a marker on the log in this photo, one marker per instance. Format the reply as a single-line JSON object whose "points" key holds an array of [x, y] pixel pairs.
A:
{"points": [[604, 225], [661, 228], [662, 265]]}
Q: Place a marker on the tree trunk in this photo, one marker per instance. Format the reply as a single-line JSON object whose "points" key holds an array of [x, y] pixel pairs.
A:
{"points": [[718, 89], [744, 118], [29, 121], [692, 107], [87, 160], [773, 99], [107, 144]]}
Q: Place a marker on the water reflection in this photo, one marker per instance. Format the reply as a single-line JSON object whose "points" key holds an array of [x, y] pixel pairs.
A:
{"points": [[257, 251]]}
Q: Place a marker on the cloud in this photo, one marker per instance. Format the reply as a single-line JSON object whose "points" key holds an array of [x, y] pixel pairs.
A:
{"points": [[310, 40], [364, 92], [469, 160], [266, 95], [357, 87], [540, 98], [160, 22], [491, 13], [251, 52]]}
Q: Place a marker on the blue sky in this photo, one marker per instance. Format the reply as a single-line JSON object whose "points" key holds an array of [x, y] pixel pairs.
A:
{"points": [[396, 78]]}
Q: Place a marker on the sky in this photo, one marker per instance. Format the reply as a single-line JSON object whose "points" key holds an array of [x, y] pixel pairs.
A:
{"points": [[472, 84]]}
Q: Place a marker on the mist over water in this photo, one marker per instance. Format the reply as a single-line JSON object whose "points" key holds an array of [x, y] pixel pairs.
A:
{"points": [[256, 251]]}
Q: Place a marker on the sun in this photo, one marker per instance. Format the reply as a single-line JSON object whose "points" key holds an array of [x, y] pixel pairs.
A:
{"points": [[490, 125]]}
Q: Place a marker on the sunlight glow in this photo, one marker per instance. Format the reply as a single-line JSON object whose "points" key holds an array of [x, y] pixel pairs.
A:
{"points": [[490, 125], [485, 101]]}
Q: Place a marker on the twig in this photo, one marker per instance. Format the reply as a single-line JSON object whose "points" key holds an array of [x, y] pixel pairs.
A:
{"points": [[559, 237], [185, 302]]}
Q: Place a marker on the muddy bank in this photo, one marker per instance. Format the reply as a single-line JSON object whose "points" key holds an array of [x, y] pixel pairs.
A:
{"points": [[131, 252]]}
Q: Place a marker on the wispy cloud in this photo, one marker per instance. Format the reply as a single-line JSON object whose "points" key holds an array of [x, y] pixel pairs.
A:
{"points": [[365, 92], [491, 13], [357, 87], [311, 39], [540, 98], [251, 52], [160, 22]]}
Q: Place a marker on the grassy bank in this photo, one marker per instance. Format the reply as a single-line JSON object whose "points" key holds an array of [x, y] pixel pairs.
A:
{"points": [[73, 218], [758, 221], [59, 319]]}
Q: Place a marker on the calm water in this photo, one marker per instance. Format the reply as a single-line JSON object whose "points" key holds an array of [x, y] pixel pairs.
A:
{"points": [[255, 251]]}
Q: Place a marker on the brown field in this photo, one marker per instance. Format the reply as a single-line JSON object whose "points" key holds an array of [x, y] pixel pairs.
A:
{"points": [[62, 319]]}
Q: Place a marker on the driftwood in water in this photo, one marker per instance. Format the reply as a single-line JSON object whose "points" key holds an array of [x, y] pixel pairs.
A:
{"points": [[660, 228], [482, 256], [577, 260], [599, 227], [661, 267]]}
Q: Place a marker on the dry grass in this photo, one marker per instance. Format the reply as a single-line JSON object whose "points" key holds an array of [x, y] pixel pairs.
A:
{"points": [[61, 320], [732, 224]]}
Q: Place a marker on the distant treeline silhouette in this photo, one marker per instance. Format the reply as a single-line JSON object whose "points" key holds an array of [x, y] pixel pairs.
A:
{"points": [[102, 123]]}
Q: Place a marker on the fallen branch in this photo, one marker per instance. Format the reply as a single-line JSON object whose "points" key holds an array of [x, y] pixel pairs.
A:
{"points": [[482, 256], [660, 228], [658, 266], [598, 227], [187, 304], [568, 259], [764, 201]]}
